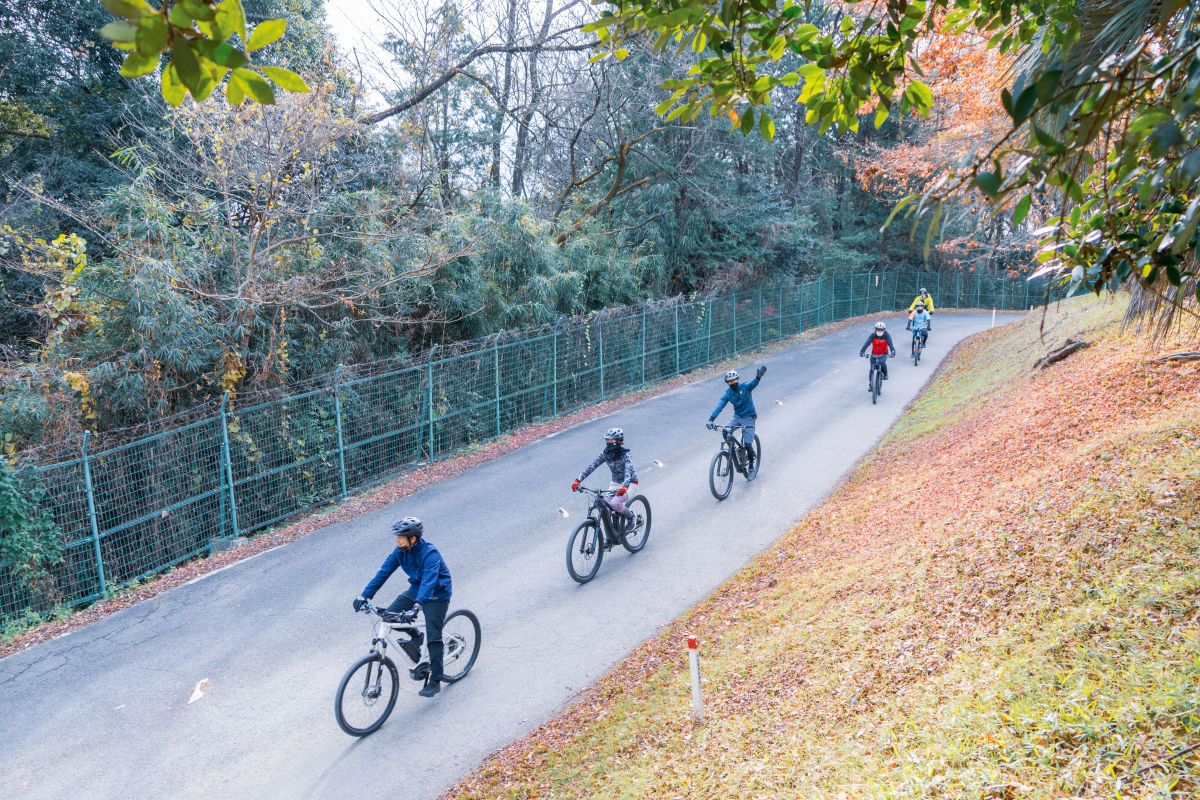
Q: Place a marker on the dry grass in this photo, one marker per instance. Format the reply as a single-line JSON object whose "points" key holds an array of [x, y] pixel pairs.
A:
{"points": [[1015, 618]]}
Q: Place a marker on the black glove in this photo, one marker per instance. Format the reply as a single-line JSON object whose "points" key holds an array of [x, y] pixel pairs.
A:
{"points": [[408, 616], [710, 425], [359, 602], [761, 371]]}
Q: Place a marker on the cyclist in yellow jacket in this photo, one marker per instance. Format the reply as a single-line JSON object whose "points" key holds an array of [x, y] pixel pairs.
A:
{"points": [[924, 299]]}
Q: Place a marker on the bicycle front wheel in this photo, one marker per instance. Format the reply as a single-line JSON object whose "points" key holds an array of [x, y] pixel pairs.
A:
{"points": [[367, 694], [876, 386], [637, 531], [460, 640], [720, 474], [584, 552], [753, 471]]}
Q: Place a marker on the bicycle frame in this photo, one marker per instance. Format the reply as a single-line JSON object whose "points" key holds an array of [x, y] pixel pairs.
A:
{"points": [[729, 440], [384, 633], [605, 514]]}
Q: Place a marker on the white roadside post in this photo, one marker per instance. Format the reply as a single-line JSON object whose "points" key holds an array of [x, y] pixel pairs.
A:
{"points": [[694, 663], [993, 317]]}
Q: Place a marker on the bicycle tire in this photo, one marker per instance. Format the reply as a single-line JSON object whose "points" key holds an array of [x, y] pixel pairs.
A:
{"points": [[456, 648], [588, 536], [638, 541], [374, 664], [720, 473], [876, 386], [751, 474]]}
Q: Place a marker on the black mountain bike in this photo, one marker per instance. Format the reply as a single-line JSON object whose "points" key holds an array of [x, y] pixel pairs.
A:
{"points": [[367, 693], [603, 528], [918, 344], [875, 376], [732, 457]]}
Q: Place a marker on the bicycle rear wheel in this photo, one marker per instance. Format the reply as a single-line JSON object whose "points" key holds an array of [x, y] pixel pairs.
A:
{"points": [[720, 474], [366, 695], [637, 531], [460, 640], [752, 473], [584, 552]]}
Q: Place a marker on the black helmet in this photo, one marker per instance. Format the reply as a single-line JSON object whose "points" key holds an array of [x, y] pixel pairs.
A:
{"points": [[409, 526]]}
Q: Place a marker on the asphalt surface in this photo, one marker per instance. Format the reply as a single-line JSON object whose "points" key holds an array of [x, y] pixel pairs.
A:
{"points": [[103, 712]]}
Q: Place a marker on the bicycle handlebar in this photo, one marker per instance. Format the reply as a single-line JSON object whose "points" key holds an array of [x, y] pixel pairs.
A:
{"points": [[600, 492], [369, 608]]}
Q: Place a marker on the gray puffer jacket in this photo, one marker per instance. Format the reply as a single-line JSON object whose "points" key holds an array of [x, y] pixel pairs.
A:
{"points": [[619, 464]]}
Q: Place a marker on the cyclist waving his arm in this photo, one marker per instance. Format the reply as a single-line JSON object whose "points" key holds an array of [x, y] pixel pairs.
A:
{"points": [[741, 396], [620, 466], [428, 589]]}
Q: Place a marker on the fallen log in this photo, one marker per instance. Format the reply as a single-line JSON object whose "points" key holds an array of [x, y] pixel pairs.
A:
{"points": [[1192, 356], [1062, 351]]}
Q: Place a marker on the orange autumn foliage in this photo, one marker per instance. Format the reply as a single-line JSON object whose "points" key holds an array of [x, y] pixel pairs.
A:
{"points": [[965, 78]]}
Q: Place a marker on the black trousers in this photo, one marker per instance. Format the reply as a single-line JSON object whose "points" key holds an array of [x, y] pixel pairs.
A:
{"points": [[435, 618]]}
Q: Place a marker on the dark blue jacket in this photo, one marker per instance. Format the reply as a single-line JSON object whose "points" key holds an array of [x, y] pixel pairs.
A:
{"points": [[743, 403], [427, 573]]}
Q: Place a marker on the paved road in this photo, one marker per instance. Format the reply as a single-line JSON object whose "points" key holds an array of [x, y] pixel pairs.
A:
{"points": [[102, 712]]}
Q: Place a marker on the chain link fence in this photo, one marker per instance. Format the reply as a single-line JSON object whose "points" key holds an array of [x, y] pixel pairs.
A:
{"points": [[127, 510]]}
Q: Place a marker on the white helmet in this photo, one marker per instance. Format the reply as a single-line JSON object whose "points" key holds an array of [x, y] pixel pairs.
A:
{"points": [[731, 375], [615, 433], [880, 326]]}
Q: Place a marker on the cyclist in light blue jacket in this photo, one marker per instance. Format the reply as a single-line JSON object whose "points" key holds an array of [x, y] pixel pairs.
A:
{"points": [[922, 323], [744, 414]]}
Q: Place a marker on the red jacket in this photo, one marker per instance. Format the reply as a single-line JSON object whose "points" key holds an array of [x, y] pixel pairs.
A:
{"points": [[878, 344]]}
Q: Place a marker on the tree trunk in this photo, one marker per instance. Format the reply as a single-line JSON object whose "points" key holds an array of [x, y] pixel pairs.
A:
{"points": [[510, 40], [521, 154]]}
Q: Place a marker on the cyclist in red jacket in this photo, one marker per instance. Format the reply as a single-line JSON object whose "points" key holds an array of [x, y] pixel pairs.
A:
{"points": [[880, 342]]}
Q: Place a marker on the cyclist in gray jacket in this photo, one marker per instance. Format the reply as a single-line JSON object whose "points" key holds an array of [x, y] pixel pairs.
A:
{"points": [[620, 465]]}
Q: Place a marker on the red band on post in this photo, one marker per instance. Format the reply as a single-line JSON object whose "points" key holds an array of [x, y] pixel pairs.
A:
{"points": [[692, 643]]}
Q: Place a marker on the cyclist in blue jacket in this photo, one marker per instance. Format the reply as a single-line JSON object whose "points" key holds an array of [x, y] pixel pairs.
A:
{"points": [[739, 395], [921, 322], [428, 589]]}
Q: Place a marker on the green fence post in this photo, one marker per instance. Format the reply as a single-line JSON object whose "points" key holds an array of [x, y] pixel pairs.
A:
{"points": [[735, 323], [496, 374], [760, 339], [337, 408], [779, 313], [643, 345], [554, 369], [600, 328], [958, 289], [708, 342], [800, 310], [227, 457], [429, 397], [91, 501], [978, 288], [677, 338], [1026, 303], [820, 280], [937, 289]]}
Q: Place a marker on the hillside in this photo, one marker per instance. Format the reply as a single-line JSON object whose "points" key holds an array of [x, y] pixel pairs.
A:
{"points": [[1000, 602]]}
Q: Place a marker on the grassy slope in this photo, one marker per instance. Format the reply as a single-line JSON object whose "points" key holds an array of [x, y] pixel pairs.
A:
{"points": [[1001, 602]]}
